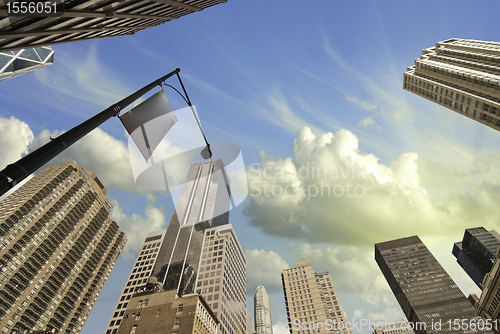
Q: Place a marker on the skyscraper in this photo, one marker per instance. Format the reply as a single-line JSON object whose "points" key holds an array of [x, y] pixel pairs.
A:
{"points": [[204, 194], [249, 323], [488, 305], [49, 23], [222, 278], [14, 63], [199, 252], [310, 299], [422, 287], [58, 246], [462, 75], [262, 311], [476, 253]]}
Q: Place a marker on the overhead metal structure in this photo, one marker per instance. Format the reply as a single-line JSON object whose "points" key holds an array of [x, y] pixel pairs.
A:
{"points": [[78, 20]]}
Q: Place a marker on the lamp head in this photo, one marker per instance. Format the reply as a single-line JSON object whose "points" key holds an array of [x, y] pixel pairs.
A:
{"points": [[206, 153]]}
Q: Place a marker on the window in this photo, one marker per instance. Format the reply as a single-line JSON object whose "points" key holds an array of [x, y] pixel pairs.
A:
{"points": [[139, 304], [134, 328], [138, 316], [158, 313], [176, 322], [179, 308]]}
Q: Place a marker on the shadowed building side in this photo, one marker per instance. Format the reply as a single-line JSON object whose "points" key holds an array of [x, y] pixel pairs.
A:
{"points": [[423, 289]]}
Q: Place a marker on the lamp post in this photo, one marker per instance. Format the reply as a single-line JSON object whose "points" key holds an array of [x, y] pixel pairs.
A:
{"points": [[19, 170]]}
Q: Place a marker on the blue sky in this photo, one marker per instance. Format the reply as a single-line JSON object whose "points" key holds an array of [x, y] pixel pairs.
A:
{"points": [[290, 83]]}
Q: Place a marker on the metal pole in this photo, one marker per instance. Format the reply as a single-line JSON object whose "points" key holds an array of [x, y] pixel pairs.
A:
{"points": [[16, 172]]}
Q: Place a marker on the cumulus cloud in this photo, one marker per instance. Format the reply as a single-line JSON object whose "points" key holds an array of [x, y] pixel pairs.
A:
{"points": [[389, 315], [363, 104], [330, 192], [264, 268], [365, 122], [15, 137], [98, 151], [280, 328], [136, 227], [377, 290]]}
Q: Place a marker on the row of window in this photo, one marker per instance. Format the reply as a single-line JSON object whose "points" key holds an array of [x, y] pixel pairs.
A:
{"points": [[460, 107], [460, 75], [451, 94]]}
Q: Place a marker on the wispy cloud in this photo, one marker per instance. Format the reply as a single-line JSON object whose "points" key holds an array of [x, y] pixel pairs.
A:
{"points": [[90, 81], [363, 104], [279, 112], [366, 122]]}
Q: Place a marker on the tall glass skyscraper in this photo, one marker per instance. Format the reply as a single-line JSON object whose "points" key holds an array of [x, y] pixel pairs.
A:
{"points": [[425, 292], [476, 253], [198, 253], [262, 311], [58, 246]]}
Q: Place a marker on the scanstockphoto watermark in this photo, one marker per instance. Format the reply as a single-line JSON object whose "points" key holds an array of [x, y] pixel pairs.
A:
{"points": [[277, 181], [360, 325]]}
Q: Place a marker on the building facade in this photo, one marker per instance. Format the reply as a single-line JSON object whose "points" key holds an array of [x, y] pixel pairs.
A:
{"points": [[262, 311], [203, 203], [199, 252], [311, 302], [143, 268], [58, 246], [425, 292], [462, 75], [400, 327], [154, 310], [71, 21], [222, 278], [249, 323], [476, 253], [488, 305], [14, 63]]}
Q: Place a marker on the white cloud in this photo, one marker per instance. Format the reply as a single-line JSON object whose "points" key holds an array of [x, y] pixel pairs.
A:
{"points": [[352, 268], [374, 292], [15, 136], [98, 152], [90, 81], [264, 268], [363, 104], [136, 227], [280, 328], [328, 185], [365, 122], [389, 315], [278, 111]]}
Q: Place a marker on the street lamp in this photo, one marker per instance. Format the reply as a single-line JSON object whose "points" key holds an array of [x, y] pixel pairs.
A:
{"points": [[19, 170]]}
